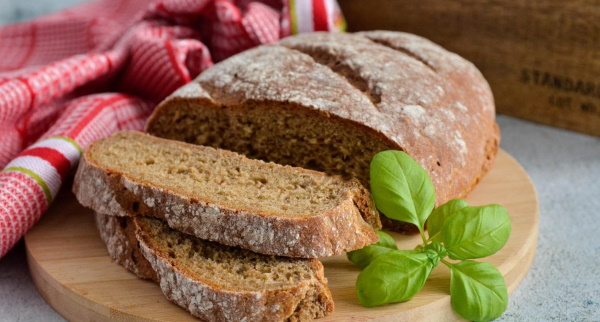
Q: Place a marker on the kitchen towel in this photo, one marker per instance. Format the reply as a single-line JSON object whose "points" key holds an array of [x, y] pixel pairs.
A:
{"points": [[73, 77]]}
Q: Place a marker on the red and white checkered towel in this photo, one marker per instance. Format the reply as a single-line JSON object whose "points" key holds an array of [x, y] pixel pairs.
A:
{"points": [[73, 77]]}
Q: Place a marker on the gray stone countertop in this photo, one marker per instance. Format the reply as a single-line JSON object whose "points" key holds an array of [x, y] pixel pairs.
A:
{"points": [[564, 281]]}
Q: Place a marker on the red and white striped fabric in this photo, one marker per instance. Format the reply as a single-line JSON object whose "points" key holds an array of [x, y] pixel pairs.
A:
{"points": [[73, 77], [315, 15]]}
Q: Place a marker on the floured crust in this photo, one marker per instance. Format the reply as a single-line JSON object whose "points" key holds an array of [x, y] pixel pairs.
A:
{"points": [[118, 234], [347, 226], [308, 299], [403, 89]]}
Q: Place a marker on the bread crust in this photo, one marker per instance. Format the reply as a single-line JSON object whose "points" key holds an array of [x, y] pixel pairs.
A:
{"points": [[347, 226], [119, 236], [308, 299], [400, 88]]}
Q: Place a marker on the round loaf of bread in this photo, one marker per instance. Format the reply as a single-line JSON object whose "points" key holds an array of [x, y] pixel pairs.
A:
{"points": [[330, 102]]}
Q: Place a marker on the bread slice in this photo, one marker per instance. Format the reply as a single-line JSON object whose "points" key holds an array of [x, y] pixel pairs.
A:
{"points": [[224, 197], [216, 282]]}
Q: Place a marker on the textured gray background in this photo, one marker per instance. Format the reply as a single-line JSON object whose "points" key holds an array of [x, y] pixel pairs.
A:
{"points": [[564, 281]]}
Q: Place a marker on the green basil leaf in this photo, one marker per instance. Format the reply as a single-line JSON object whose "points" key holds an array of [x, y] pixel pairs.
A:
{"points": [[364, 256], [394, 277], [439, 216], [478, 291], [476, 232], [401, 188], [435, 252], [386, 240]]}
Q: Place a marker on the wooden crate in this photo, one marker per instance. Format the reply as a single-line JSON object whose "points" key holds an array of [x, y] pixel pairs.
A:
{"points": [[541, 58]]}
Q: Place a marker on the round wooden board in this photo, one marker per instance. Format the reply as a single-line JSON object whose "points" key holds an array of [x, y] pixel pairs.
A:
{"points": [[72, 270]]}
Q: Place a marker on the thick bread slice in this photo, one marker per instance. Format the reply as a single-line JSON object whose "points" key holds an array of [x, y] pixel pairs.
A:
{"points": [[216, 282], [330, 102], [224, 197]]}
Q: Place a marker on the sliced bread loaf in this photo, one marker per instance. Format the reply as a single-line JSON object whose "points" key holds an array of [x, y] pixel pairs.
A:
{"points": [[216, 282], [224, 197], [330, 102]]}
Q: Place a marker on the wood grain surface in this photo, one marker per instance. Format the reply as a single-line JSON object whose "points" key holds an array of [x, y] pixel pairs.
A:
{"points": [[72, 270], [541, 58]]}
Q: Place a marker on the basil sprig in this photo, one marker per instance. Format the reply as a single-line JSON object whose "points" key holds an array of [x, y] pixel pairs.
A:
{"points": [[403, 190]]}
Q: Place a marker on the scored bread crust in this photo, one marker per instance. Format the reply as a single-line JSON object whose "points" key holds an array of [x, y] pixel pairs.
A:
{"points": [[125, 238], [345, 227], [407, 91]]}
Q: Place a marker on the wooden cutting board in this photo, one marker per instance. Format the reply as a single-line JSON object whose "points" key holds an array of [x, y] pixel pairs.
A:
{"points": [[72, 270]]}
